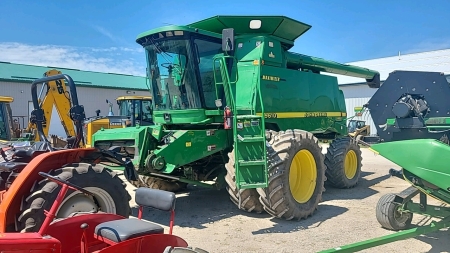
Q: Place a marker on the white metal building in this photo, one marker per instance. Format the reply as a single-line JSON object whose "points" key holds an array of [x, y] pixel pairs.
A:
{"points": [[93, 88], [357, 93]]}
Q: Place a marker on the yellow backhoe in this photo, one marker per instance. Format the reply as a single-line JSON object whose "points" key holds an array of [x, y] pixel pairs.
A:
{"points": [[8, 130], [53, 93]]}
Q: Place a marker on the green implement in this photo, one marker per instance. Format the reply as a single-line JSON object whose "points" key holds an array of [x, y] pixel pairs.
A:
{"points": [[234, 109], [424, 164]]}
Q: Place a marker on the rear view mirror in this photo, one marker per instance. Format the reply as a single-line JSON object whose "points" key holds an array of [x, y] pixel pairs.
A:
{"points": [[228, 40]]}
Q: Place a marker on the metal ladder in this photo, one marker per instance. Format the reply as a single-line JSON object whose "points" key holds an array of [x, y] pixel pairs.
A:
{"points": [[248, 133]]}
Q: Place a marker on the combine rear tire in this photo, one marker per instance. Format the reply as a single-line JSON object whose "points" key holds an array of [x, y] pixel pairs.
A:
{"points": [[103, 183], [249, 197], [296, 175], [343, 161], [388, 215], [158, 183]]}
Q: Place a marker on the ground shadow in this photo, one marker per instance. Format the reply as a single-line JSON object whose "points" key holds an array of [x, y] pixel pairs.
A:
{"points": [[437, 240], [361, 191], [323, 213], [199, 206]]}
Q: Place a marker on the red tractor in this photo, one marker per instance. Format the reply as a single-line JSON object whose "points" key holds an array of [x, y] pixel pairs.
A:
{"points": [[24, 195], [99, 232], [80, 205]]}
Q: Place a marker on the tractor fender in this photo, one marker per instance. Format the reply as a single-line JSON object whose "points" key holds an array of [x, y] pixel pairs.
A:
{"points": [[22, 185]]}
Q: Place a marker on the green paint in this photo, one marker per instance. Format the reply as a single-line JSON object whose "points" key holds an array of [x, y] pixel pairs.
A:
{"points": [[426, 158], [438, 121], [186, 146], [402, 235], [188, 72], [390, 122], [358, 109], [424, 163]]}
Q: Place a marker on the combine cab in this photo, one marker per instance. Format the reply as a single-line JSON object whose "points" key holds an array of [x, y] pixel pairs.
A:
{"points": [[233, 106]]}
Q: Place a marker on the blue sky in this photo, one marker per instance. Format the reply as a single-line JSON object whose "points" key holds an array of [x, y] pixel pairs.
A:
{"points": [[100, 35]]}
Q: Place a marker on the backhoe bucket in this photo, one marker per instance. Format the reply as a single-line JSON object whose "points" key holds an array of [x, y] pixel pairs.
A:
{"points": [[427, 159]]}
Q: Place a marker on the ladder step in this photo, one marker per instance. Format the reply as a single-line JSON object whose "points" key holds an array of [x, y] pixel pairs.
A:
{"points": [[251, 139], [257, 185], [252, 163], [248, 117]]}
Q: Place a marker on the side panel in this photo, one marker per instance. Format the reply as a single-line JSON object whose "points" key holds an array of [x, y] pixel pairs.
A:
{"points": [[28, 242], [189, 146], [302, 100]]}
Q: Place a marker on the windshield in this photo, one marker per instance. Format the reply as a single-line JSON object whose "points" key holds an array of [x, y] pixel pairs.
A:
{"points": [[142, 109], [172, 75], [206, 52], [353, 125]]}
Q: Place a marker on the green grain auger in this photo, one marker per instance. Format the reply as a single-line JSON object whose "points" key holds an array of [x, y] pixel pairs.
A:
{"points": [[234, 108]]}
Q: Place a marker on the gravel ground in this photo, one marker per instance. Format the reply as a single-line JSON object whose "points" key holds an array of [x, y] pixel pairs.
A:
{"points": [[208, 219]]}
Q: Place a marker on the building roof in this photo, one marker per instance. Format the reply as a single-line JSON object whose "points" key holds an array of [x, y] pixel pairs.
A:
{"points": [[13, 72], [433, 61]]}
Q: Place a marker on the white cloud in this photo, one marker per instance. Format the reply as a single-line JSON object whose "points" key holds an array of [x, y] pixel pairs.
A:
{"points": [[105, 32], [113, 59]]}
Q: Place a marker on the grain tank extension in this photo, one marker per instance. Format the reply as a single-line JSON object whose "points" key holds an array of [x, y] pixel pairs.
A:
{"points": [[234, 108]]}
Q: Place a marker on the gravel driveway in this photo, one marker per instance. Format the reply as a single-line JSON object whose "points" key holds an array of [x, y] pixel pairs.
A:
{"points": [[207, 219]]}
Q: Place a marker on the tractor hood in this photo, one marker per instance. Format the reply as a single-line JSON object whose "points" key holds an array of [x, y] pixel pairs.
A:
{"points": [[125, 137]]}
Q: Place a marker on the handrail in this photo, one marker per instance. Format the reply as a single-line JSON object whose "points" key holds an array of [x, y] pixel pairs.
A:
{"points": [[225, 79]]}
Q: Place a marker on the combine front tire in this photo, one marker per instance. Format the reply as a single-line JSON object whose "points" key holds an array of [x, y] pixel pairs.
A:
{"points": [[249, 197], [109, 190], [343, 161], [158, 183], [388, 215], [296, 175]]}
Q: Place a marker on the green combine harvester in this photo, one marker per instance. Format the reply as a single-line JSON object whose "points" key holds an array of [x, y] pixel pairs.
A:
{"points": [[234, 108]]}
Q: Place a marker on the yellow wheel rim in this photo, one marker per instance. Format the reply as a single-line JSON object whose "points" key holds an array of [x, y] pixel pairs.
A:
{"points": [[302, 176], [350, 164]]}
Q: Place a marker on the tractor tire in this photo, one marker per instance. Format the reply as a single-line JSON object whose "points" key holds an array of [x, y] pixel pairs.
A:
{"points": [[388, 216], [159, 183], [102, 182], [343, 161], [249, 197], [296, 174]]}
